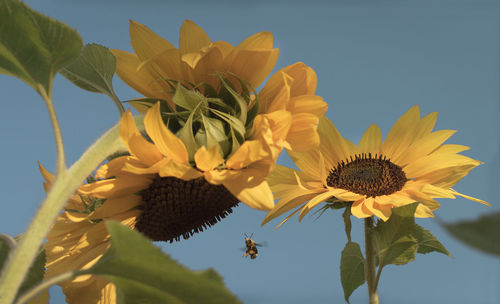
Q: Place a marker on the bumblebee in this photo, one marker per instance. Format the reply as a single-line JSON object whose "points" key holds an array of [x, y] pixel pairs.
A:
{"points": [[251, 247]]}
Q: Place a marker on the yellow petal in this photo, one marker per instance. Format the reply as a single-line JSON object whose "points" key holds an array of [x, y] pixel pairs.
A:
{"points": [[168, 62], [446, 177], [145, 42], [206, 66], [261, 40], [249, 152], [141, 80], [276, 93], [304, 79], [470, 198], [167, 143], [116, 206], [47, 176], [182, 171], [192, 38], [314, 202], [426, 125], [308, 162], [253, 66], [332, 144], [112, 168], [452, 149], [382, 211], [359, 210], [311, 104], [402, 133], [436, 162], [423, 146], [251, 190], [208, 159], [371, 142]]}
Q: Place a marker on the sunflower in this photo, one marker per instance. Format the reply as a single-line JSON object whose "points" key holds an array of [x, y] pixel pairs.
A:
{"points": [[411, 165], [79, 238]]}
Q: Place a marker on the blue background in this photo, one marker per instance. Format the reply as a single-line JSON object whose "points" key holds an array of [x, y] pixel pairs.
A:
{"points": [[374, 60]]}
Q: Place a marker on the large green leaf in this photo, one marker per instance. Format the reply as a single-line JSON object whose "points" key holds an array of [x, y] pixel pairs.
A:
{"points": [[394, 239], [93, 70], [427, 242], [33, 47], [352, 268], [482, 234], [142, 273]]}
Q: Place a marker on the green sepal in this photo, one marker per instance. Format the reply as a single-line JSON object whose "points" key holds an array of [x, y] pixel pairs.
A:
{"points": [[33, 47], [482, 233], [188, 99], [240, 101], [142, 273], [352, 269], [215, 135], [186, 134]]}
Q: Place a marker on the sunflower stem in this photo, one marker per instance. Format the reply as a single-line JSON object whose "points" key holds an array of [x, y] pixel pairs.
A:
{"points": [[61, 158], [370, 261], [25, 297], [63, 187]]}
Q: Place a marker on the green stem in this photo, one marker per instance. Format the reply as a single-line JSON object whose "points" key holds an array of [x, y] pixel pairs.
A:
{"points": [[63, 187], [370, 261], [25, 297], [61, 158], [118, 103]]}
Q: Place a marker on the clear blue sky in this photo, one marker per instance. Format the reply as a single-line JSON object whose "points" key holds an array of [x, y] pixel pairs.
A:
{"points": [[374, 60]]}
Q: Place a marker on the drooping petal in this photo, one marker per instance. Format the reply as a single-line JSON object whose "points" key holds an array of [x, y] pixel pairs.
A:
{"points": [[167, 143], [251, 190], [208, 159], [249, 152]]}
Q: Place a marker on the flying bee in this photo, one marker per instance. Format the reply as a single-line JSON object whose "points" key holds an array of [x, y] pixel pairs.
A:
{"points": [[251, 247]]}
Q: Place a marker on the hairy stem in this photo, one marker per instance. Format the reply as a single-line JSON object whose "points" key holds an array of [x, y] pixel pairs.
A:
{"points": [[370, 261]]}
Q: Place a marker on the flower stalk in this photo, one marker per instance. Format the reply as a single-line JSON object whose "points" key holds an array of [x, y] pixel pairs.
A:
{"points": [[370, 261]]}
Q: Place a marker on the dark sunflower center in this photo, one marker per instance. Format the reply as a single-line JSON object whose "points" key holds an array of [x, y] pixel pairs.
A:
{"points": [[367, 175], [173, 207]]}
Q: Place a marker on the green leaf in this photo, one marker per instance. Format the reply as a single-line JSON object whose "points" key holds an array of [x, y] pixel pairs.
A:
{"points": [[93, 70], [33, 47], [427, 242], [35, 273], [482, 234], [394, 239], [352, 269], [142, 273]]}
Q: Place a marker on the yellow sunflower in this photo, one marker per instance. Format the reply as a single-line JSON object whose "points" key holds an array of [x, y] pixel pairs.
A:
{"points": [[209, 142], [411, 165], [79, 238]]}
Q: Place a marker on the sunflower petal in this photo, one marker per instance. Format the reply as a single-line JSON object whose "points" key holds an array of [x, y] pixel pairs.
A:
{"points": [[371, 142], [402, 133], [167, 143], [192, 38], [145, 42], [251, 190], [208, 159]]}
